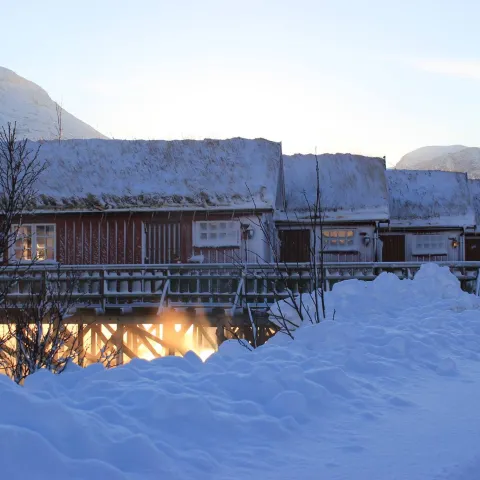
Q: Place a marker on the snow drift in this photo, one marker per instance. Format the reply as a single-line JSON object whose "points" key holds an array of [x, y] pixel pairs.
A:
{"points": [[388, 389], [35, 112]]}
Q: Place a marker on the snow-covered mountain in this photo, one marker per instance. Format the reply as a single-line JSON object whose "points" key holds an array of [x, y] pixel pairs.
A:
{"points": [[29, 105], [452, 158]]}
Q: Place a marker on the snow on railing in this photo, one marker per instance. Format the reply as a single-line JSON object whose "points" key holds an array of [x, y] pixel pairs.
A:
{"points": [[228, 286]]}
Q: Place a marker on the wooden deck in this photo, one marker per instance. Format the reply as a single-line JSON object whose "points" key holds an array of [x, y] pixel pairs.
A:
{"points": [[151, 289], [155, 310]]}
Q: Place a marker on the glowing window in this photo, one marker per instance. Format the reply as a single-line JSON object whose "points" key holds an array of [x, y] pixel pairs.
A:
{"points": [[339, 239], [34, 243]]}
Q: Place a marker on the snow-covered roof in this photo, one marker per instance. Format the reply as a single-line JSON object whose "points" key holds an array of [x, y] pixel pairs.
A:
{"points": [[353, 187], [474, 186], [118, 174], [429, 198]]}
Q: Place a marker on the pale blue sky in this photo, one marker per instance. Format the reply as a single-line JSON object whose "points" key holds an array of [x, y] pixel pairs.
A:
{"points": [[378, 77]]}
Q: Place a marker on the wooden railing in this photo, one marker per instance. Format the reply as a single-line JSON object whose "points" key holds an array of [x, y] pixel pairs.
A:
{"points": [[224, 286]]}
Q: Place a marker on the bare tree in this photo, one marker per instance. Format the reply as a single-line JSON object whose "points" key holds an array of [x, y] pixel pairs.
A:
{"points": [[292, 297], [34, 302], [37, 329], [36, 333], [20, 169]]}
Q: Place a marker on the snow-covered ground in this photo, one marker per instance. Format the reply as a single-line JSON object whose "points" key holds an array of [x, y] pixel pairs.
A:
{"points": [[389, 389]]}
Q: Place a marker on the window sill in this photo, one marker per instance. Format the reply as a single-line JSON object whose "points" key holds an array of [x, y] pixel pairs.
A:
{"points": [[34, 262], [216, 246], [341, 250]]}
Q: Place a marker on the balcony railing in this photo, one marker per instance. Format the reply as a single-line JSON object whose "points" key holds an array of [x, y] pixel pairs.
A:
{"points": [[206, 286]]}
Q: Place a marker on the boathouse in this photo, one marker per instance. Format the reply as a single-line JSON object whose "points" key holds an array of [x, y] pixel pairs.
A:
{"points": [[338, 198], [430, 212]]}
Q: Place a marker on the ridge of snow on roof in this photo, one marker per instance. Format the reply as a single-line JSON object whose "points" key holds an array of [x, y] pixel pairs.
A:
{"points": [[353, 187], [430, 198], [117, 174], [474, 186]]}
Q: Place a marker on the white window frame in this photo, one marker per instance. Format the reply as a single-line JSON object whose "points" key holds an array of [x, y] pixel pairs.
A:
{"points": [[430, 244], [352, 244], [210, 227], [33, 227]]}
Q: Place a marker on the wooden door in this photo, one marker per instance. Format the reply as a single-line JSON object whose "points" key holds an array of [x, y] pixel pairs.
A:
{"points": [[294, 246], [472, 249], [393, 248]]}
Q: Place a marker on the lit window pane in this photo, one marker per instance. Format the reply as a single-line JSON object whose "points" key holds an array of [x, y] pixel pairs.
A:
{"points": [[25, 231]]}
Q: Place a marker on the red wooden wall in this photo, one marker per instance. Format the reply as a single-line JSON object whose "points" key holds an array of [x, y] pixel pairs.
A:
{"points": [[116, 238]]}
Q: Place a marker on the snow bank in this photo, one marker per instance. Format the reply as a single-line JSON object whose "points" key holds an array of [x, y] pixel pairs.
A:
{"points": [[352, 187], [433, 198], [391, 385], [170, 174]]}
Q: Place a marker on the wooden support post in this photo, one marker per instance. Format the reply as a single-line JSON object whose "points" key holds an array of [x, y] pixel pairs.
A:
{"points": [[80, 338], [220, 324], [118, 342], [131, 340], [477, 285], [93, 340], [190, 314], [169, 335]]}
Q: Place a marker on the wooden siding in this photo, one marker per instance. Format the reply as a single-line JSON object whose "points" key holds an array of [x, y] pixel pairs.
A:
{"points": [[291, 249], [94, 240], [137, 238], [399, 240], [162, 242]]}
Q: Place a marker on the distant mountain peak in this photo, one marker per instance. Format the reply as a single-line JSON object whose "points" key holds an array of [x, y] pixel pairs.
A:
{"points": [[450, 158], [30, 106]]}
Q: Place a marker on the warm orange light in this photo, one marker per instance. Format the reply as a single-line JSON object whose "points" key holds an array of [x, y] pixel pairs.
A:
{"points": [[205, 353]]}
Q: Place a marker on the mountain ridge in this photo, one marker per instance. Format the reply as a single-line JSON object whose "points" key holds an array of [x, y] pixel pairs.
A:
{"points": [[35, 113], [450, 158]]}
